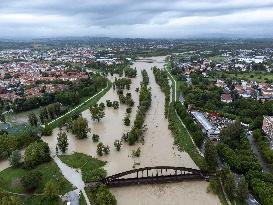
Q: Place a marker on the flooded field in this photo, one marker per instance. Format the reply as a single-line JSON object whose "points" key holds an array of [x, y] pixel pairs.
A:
{"points": [[157, 150]]}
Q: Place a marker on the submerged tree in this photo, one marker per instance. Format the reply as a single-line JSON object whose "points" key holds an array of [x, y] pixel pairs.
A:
{"points": [[101, 106], [95, 138], [62, 142], [100, 149], [117, 144], [126, 121], [106, 149], [80, 128], [115, 105], [109, 103], [136, 153], [97, 113]]}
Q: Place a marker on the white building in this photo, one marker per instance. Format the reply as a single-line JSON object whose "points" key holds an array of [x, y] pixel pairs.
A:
{"points": [[209, 129]]}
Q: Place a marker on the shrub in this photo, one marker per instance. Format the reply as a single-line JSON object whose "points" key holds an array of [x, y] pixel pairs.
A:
{"points": [[47, 131], [31, 180], [15, 158]]}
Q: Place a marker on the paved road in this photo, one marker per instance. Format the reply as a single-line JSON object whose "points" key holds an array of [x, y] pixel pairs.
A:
{"points": [[79, 105], [257, 152], [74, 177], [252, 201]]}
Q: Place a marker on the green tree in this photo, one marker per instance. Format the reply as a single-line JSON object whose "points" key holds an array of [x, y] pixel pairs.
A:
{"points": [[7, 145], [228, 181], [211, 156], [231, 132], [36, 153], [243, 189], [47, 131], [62, 142], [80, 128], [31, 180], [43, 115], [15, 158], [32, 119], [51, 191]]}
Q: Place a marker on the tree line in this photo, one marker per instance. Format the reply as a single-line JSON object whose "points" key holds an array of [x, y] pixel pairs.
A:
{"points": [[236, 152], [161, 78], [145, 99]]}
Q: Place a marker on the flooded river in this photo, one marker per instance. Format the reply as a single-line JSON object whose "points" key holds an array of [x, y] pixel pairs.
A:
{"points": [[157, 150]]}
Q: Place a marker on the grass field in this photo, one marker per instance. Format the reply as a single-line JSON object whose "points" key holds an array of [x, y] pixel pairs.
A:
{"points": [[10, 178], [175, 84], [183, 140], [91, 167], [83, 106], [260, 77], [82, 199], [217, 59]]}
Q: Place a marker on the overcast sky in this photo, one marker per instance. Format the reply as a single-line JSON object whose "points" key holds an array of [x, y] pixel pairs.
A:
{"points": [[135, 18]]}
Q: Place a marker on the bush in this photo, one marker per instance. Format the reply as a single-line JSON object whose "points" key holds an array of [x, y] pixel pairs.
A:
{"points": [[8, 144], [100, 195], [51, 191], [47, 131], [31, 180], [15, 158]]}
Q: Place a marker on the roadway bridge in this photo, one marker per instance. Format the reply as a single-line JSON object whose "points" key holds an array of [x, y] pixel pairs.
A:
{"points": [[153, 175]]}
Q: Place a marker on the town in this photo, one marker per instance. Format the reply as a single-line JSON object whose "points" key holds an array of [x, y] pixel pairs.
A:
{"points": [[89, 103]]}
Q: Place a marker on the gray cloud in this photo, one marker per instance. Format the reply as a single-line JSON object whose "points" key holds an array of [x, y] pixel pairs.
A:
{"points": [[131, 18]]}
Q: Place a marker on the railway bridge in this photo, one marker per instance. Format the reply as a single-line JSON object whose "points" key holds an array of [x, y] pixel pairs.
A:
{"points": [[153, 175]]}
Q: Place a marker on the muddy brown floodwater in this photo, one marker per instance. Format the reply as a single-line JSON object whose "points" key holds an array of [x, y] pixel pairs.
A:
{"points": [[157, 150], [4, 164]]}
